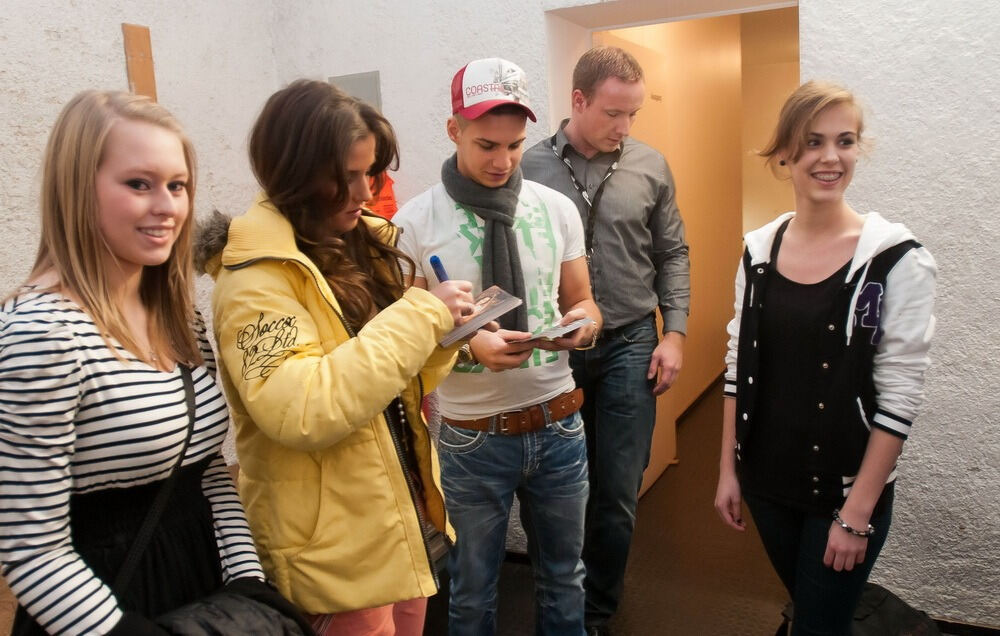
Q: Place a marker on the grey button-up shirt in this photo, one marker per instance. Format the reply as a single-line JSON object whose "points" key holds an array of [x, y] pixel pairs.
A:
{"points": [[639, 259]]}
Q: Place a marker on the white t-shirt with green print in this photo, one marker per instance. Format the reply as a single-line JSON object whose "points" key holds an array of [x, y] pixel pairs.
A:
{"points": [[549, 232]]}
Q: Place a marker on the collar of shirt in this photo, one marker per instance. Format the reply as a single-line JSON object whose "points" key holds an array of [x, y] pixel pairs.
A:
{"points": [[562, 143]]}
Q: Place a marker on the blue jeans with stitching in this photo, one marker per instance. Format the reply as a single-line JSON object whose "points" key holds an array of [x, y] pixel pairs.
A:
{"points": [[619, 411], [481, 473]]}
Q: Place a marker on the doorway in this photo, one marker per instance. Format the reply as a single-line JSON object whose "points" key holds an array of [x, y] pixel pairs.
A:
{"points": [[714, 86]]}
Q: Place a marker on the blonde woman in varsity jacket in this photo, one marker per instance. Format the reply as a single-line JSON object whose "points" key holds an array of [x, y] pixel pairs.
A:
{"points": [[825, 368]]}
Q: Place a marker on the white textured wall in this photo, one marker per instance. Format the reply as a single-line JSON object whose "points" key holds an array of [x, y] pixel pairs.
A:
{"points": [[417, 47], [214, 67], [930, 74]]}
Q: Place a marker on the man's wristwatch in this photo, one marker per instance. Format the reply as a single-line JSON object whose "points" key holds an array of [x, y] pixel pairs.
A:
{"points": [[465, 355]]}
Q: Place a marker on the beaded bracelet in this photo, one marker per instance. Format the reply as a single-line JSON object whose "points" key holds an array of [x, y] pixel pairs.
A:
{"points": [[858, 533]]}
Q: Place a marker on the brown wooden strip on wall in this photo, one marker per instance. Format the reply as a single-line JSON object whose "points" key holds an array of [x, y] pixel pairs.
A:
{"points": [[139, 60]]}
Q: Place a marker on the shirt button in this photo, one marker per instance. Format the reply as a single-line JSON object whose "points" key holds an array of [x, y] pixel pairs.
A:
{"points": [[745, 417], [821, 406], [750, 380], [815, 479], [754, 344], [825, 365], [760, 270], [815, 492], [830, 327], [815, 449]]}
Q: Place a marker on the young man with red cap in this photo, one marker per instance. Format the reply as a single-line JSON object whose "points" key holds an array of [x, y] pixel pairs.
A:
{"points": [[638, 258], [510, 409]]}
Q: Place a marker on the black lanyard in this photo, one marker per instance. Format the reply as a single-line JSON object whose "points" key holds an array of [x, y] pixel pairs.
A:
{"points": [[591, 205]]}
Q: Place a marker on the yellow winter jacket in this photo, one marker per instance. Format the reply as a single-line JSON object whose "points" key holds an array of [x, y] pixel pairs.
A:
{"points": [[328, 501]]}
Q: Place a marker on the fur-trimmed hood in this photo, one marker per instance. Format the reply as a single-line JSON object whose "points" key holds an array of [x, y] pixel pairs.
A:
{"points": [[262, 232], [210, 239]]}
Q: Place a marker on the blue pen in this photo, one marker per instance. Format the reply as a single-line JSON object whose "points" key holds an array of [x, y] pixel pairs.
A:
{"points": [[438, 269]]}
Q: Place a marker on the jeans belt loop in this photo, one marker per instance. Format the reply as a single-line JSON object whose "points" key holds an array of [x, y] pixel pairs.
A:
{"points": [[546, 413]]}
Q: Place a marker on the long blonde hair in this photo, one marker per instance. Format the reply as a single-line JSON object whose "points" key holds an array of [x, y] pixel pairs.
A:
{"points": [[73, 247]]}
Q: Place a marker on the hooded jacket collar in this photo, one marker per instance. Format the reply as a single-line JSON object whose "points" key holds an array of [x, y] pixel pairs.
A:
{"points": [[264, 233], [877, 235]]}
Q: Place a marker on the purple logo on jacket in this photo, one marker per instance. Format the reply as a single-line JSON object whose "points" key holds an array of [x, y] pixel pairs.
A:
{"points": [[868, 311]]}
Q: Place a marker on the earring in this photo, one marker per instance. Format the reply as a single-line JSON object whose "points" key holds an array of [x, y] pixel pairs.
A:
{"points": [[781, 162]]}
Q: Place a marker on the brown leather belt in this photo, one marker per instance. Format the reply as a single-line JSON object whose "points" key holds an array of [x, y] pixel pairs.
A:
{"points": [[527, 419]]}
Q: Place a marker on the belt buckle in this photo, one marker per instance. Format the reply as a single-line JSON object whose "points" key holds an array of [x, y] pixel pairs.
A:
{"points": [[504, 430]]}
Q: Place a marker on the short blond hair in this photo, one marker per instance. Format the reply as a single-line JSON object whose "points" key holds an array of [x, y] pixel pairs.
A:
{"points": [[72, 245], [602, 62], [800, 111]]}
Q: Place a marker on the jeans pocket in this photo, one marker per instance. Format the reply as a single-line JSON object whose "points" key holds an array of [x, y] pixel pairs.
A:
{"points": [[459, 441], [642, 331], [570, 427]]}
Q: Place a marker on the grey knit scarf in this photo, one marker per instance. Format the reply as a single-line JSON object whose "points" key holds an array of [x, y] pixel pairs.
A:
{"points": [[496, 206]]}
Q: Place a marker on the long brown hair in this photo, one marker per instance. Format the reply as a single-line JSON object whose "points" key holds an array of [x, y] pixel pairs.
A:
{"points": [[73, 247], [302, 139]]}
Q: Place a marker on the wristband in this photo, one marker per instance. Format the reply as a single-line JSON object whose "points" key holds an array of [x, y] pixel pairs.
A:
{"points": [[858, 533], [591, 345]]}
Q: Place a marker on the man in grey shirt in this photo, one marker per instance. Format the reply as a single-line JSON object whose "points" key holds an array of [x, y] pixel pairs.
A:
{"points": [[638, 261]]}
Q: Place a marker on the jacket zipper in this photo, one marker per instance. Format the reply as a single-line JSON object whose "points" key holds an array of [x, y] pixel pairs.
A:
{"points": [[400, 455], [409, 479], [412, 487]]}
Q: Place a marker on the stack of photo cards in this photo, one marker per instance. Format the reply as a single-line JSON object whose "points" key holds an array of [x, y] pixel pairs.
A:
{"points": [[492, 303], [558, 331]]}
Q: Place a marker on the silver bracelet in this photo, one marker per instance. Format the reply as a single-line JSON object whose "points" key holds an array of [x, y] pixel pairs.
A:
{"points": [[858, 533]]}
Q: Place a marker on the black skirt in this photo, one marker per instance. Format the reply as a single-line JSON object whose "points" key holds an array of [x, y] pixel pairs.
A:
{"points": [[181, 563]]}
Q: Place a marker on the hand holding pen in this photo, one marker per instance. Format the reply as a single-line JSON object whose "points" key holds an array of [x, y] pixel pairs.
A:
{"points": [[455, 294]]}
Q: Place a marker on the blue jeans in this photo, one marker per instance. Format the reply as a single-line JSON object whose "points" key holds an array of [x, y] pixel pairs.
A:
{"points": [[823, 598], [619, 411], [480, 473]]}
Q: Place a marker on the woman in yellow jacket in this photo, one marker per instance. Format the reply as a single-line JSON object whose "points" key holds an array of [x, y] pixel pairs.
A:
{"points": [[325, 357]]}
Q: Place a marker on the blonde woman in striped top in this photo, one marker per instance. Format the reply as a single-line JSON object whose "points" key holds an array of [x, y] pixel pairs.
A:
{"points": [[92, 405]]}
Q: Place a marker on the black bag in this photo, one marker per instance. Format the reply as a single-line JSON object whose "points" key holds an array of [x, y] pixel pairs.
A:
{"points": [[243, 606], [882, 613], [879, 613]]}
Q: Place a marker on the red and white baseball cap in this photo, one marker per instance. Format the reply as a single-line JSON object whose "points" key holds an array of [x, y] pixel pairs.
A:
{"points": [[482, 85]]}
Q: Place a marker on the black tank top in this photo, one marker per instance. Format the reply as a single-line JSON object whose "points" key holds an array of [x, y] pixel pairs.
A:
{"points": [[792, 321]]}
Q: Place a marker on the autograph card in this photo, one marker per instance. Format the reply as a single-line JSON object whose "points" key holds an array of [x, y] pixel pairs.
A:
{"points": [[558, 331], [491, 303]]}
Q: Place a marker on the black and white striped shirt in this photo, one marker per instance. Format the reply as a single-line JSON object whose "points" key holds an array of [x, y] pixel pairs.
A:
{"points": [[75, 419]]}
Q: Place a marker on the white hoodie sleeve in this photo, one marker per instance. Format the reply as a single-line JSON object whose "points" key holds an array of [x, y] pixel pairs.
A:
{"points": [[734, 333], [902, 355]]}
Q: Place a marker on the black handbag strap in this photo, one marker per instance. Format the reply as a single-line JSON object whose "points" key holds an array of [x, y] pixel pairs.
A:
{"points": [[152, 519]]}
